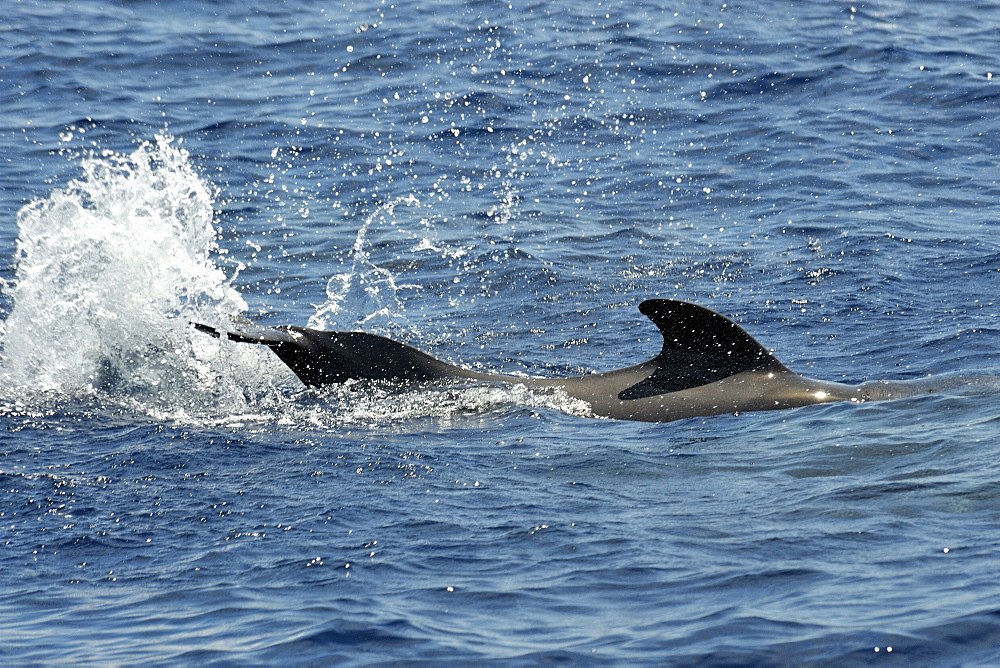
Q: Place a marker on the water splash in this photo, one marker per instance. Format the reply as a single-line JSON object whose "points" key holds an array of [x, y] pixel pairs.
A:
{"points": [[110, 270], [365, 288]]}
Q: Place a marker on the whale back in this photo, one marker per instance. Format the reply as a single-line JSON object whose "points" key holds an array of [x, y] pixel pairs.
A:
{"points": [[706, 365], [700, 347]]}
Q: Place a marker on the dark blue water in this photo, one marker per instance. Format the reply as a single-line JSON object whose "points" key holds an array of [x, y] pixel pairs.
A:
{"points": [[501, 185]]}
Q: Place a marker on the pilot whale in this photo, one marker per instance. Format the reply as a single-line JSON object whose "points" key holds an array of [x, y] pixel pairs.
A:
{"points": [[708, 365]]}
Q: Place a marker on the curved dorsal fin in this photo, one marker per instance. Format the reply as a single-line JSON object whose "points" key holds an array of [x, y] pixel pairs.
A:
{"points": [[690, 328], [700, 346]]}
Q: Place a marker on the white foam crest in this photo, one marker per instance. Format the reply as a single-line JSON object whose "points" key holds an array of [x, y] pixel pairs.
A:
{"points": [[110, 270], [444, 402]]}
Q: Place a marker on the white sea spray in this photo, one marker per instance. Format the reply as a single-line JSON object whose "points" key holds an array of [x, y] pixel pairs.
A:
{"points": [[110, 270]]}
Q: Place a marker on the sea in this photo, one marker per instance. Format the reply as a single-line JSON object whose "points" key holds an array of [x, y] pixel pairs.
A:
{"points": [[500, 184]]}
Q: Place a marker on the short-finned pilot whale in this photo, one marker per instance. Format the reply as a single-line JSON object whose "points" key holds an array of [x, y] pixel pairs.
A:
{"points": [[708, 365]]}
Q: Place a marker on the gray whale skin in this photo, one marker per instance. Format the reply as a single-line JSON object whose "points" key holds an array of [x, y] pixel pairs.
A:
{"points": [[708, 365]]}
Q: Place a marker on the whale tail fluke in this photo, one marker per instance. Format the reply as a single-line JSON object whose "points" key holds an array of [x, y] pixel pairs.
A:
{"points": [[294, 346], [247, 334], [321, 358]]}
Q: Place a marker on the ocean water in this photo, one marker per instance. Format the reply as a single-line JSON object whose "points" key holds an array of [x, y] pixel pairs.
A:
{"points": [[500, 185]]}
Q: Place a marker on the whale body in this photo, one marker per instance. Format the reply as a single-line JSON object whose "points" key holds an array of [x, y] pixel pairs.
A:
{"points": [[708, 365]]}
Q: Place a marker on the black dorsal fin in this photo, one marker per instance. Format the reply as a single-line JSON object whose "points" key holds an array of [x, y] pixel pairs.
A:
{"points": [[690, 328], [700, 346]]}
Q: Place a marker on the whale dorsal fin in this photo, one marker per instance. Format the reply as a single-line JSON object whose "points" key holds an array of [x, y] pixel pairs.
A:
{"points": [[700, 346]]}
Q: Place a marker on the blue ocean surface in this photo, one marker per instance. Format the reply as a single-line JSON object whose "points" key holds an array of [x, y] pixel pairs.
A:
{"points": [[499, 184]]}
